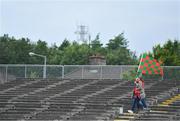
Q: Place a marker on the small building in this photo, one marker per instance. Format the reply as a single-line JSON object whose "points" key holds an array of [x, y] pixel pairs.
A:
{"points": [[97, 60]]}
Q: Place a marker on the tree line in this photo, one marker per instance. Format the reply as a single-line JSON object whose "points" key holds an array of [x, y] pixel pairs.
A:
{"points": [[116, 51]]}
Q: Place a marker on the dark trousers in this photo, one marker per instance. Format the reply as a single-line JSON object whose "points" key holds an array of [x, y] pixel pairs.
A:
{"points": [[135, 103], [143, 101]]}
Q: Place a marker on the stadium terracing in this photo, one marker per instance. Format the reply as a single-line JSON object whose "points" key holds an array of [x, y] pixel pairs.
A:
{"points": [[85, 93]]}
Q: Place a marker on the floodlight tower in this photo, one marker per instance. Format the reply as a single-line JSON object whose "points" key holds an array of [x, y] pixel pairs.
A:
{"points": [[82, 33]]}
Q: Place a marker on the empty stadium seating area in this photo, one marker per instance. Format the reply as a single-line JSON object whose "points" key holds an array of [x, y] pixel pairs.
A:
{"points": [[86, 99]]}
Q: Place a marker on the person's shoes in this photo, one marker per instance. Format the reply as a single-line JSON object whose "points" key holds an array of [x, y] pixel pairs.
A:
{"points": [[146, 109], [130, 111]]}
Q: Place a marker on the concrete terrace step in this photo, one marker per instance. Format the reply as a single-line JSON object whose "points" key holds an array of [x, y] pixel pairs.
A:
{"points": [[79, 99]]}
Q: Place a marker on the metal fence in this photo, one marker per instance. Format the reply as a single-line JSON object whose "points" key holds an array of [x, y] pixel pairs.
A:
{"points": [[12, 72]]}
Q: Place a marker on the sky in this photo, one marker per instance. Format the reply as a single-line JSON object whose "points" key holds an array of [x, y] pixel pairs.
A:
{"points": [[145, 23]]}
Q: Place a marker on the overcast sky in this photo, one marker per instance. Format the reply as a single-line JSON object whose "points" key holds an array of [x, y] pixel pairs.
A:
{"points": [[144, 22]]}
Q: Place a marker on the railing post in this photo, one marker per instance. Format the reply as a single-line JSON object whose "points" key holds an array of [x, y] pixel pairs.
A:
{"points": [[162, 78], [6, 73], [25, 71], [63, 71], [120, 72], [44, 68], [101, 73], [82, 76]]}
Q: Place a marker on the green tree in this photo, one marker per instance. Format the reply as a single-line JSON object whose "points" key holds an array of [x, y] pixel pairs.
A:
{"points": [[118, 42], [64, 44], [3, 49], [168, 54], [75, 54], [96, 46], [14, 51], [42, 49], [118, 53], [55, 55]]}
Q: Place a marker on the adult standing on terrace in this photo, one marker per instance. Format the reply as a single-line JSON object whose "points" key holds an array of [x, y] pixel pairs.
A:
{"points": [[142, 92], [135, 97], [138, 95]]}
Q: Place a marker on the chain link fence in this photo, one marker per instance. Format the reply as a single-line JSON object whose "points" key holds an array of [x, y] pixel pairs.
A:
{"points": [[127, 72]]}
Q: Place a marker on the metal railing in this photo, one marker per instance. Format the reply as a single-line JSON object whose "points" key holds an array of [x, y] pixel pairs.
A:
{"points": [[11, 72]]}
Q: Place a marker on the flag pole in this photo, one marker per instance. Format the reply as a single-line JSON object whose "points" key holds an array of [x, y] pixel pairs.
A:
{"points": [[140, 63]]}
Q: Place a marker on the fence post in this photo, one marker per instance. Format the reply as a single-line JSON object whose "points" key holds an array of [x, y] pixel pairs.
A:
{"points": [[63, 71], [25, 71], [6, 73], [82, 76], [162, 78], [101, 73], [120, 72]]}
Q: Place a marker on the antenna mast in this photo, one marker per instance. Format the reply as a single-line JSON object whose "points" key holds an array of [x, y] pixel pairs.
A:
{"points": [[82, 33]]}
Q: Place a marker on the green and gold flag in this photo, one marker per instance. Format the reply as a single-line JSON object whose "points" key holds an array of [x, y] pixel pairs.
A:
{"points": [[149, 65]]}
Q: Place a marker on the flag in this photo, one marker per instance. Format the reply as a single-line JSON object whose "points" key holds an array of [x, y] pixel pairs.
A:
{"points": [[149, 65]]}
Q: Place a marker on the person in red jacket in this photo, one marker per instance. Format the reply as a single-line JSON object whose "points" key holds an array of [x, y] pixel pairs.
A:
{"points": [[136, 97]]}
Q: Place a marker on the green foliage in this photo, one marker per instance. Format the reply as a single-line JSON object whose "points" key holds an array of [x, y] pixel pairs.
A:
{"points": [[118, 42], [64, 44], [33, 75], [172, 73], [55, 55], [129, 74], [16, 51], [168, 54], [75, 55], [118, 53], [96, 46], [34, 72]]}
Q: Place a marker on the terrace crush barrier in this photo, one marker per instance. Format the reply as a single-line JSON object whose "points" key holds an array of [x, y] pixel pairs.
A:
{"points": [[10, 72]]}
